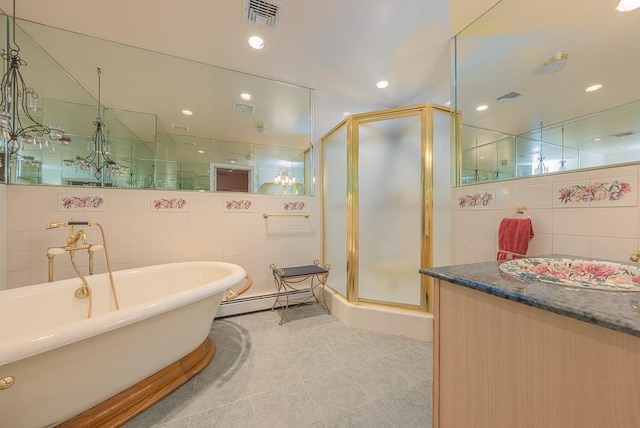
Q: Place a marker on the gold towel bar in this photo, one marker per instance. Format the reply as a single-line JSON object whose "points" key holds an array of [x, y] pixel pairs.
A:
{"points": [[305, 215]]}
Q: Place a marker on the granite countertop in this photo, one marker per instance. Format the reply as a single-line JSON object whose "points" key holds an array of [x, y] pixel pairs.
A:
{"points": [[617, 310]]}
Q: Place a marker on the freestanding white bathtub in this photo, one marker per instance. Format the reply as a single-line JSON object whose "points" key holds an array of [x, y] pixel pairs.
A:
{"points": [[61, 364]]}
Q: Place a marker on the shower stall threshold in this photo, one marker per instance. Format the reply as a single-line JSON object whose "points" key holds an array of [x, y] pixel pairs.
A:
{"points": [[383, 319]]}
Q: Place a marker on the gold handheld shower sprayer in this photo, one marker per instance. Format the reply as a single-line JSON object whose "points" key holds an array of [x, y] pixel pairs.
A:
{"points": [[77, 240], [56, 224]]}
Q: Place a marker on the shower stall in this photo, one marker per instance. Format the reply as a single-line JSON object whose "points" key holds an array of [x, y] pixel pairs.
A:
{"points": [[382, 218]]}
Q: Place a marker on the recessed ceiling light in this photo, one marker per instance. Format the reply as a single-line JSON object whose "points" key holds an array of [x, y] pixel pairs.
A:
{"points": [[595, 140], [382, 84], [482, 107], [245, 96], [594, 87], [201, 152], [187, 112], [627, 5], [257, 42]]}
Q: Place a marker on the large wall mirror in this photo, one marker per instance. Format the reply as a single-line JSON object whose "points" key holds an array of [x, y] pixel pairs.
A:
{"points": [[229, 143], [530, 64]]}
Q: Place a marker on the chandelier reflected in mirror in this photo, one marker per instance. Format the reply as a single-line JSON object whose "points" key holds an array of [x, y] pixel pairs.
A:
{"points": [[19, 103], [104, 169], [284, 177]]}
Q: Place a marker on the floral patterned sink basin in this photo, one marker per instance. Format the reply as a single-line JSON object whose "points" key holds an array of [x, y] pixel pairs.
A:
{"points": [[576, 273]]}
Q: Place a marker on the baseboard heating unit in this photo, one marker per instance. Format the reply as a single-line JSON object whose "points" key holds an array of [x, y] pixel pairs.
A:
{"points": [[244, 305]]}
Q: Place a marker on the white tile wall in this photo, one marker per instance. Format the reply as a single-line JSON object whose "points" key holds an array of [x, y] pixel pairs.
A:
{"points": [[614, 222], [571, 221], [608, 228], [508, 195], [140, 235], [537, 193]]}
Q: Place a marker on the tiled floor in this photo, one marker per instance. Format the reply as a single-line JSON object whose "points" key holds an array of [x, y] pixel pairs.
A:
{"points": [[311, 371]]}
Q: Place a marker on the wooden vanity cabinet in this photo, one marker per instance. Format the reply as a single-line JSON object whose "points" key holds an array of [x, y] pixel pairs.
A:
{"points": [[500, 363]]}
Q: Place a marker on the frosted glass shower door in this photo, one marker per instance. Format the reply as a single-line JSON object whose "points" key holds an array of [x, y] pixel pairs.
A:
{"points": [[390, 210], [335, 208]]}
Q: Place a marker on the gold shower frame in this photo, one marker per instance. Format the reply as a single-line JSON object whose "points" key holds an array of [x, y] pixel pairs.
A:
{"points": [[425, 111]]}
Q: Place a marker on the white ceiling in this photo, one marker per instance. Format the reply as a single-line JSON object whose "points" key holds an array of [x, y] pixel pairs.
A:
{"points": [[338, 46], [342, 47], [505, 51]]}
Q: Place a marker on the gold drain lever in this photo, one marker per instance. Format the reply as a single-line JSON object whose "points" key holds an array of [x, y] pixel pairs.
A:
{"points": [[233, 294]]}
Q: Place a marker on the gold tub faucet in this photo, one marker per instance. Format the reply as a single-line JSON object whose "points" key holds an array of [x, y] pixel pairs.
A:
{"points": [[635, 256], [75, 237], [76, 240]]}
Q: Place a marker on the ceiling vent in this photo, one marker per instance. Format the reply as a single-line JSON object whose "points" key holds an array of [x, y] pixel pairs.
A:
{"points": [[508, 96], [263, 14], [179, 127], [624, 134], [242, 108]]}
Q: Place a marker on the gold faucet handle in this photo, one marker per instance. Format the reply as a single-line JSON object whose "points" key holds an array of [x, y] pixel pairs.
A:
{"points": [[74, 237], [635, 256], [71, 237]]}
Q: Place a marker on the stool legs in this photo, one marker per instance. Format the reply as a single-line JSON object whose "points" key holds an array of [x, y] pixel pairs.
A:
{"points": [[285, 285]]}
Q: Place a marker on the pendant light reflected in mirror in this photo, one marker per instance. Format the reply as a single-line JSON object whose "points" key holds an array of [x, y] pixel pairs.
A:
{"points": [[563, 161], [541, 168], [497, 163], [476, 176]]}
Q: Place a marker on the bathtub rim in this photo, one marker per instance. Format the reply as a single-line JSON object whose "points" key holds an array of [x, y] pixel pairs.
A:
{"points": [[45, 340]]}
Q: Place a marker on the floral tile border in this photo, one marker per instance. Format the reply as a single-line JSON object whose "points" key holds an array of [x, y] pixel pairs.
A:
{"points": [[293, 206], [81, 202], [476, 200], [245, 205], [595, 193], [169, 204]]}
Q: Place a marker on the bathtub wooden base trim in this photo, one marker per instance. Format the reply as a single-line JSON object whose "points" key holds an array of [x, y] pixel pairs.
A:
{"points": [[124, 406]]}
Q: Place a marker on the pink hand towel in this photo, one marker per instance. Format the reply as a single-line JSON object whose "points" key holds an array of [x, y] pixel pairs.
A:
{"points": [[513, 238]]}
